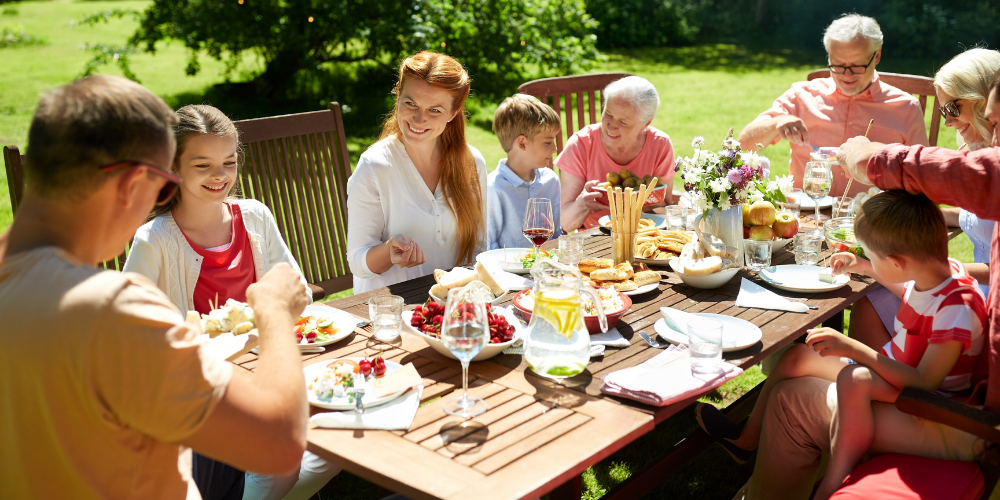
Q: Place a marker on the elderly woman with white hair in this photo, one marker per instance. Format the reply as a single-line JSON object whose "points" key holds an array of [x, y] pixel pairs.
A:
{"points": [[828, 111], [962, 87], [623, 139]]}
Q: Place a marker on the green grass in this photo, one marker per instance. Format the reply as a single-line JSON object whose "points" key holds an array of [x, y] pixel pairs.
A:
{"points": [[703, 91]]}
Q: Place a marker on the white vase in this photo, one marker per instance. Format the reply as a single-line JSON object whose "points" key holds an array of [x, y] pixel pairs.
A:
{"points": [[727, 225]]}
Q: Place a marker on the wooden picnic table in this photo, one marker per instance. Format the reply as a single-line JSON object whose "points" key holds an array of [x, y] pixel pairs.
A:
{"points": [[538, 435]]}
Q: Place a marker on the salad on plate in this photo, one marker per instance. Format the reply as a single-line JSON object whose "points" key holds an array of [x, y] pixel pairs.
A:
{"points": [[335, 381], [312, 329]]}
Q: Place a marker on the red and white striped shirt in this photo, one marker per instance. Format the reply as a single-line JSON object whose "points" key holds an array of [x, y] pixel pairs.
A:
{"points": [[953, 310]]}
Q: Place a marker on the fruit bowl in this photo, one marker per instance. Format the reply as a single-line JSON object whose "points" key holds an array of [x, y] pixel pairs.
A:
{"points": [[444, 300], [489, 350], [839, 235], [777, 244], [656, 197], [593, 322], [714, 280]]}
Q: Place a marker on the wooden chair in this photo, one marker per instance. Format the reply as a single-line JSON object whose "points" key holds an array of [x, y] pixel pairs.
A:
{"points": [[298, 166], [14, 162], [922, 86], [572, 91]]}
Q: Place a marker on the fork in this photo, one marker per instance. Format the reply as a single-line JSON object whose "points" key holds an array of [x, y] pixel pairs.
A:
{"points": [[652, 343]]}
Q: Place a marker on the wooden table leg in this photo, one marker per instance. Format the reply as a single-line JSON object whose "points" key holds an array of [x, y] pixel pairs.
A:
{"points": [[836, 322], [570, 490]]}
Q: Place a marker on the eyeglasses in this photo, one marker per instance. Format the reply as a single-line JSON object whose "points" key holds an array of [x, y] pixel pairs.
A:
{"points": [[950, 108], [852, 70], [169, 189]]}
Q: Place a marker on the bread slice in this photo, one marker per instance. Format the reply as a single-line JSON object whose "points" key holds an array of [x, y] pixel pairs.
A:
{"points": [[626, 268], [486, 277], [646, 277], [608, 275], [457, 277], [588, 266], [714, 247], [702, 267]]}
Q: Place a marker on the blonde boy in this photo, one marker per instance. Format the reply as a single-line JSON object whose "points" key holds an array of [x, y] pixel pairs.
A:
{"points": [[526, 128]]}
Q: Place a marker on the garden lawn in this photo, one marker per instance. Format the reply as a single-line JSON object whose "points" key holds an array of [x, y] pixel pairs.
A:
{"points": [[703, 91]]}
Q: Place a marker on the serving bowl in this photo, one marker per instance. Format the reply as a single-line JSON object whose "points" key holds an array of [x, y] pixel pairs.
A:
{"points": [[656, 196], [834, 230], [777, 244], [488, 351], [714, 280], [444, 300], [593, 322]]}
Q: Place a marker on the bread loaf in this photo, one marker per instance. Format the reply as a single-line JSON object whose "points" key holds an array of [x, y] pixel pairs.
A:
{"points": [[608, 275], [457, 277], [588, 266]]}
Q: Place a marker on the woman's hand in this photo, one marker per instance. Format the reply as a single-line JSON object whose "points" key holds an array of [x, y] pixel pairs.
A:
{"points": [[588, 197], [830, 342], [847, 263], [405, 252]]}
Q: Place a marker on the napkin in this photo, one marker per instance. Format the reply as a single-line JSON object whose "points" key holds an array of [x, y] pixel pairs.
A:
{"points": [[664, 379], [754, 295], [676, 319], [395, 415]]}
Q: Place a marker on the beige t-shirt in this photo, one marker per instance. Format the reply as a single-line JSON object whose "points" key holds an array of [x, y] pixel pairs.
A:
{"points": [[99, 379]]}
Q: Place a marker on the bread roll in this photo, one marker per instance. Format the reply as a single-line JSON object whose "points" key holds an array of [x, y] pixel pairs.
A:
{"points": [[625, 286], [486, 277], [646, 277], [608, 275], [626, 268], [457, 277], [702, 267], [590, 265], [439, 291]]}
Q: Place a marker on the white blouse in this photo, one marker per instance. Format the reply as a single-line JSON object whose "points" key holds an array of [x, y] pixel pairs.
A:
{"points": [[386, 196]]}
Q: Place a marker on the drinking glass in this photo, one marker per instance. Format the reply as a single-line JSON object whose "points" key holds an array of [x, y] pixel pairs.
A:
{"points": [[816, 182], [692, 219], [793, 201], [846, 204], [705, 346], [677, 217], [385, 313], [807, 247], [758, 255], [464, 332], [570, 249], [538, 224]]}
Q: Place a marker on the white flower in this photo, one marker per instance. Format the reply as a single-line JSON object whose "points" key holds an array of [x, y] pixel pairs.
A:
{"points": [[699, 201], [720, 185], [756, 196], [771, 186], [692, 176], [724, 203], [785, 184], [730, 143], [697, 142]]}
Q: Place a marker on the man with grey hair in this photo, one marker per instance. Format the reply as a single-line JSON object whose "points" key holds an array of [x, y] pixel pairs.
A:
{"points": [[825, 112]]}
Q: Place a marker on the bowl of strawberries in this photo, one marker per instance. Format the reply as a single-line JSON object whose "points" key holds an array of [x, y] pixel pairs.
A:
{"points": [[425, 320]]}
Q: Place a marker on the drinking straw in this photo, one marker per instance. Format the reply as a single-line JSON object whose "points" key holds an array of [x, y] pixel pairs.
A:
{"points": [[851, 179]]}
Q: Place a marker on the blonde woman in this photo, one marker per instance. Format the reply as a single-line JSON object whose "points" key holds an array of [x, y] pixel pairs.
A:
{"points": [[415, 202], [962, 86]]}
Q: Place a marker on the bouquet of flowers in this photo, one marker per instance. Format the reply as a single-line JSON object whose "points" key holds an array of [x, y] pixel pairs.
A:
{"points": [[730, 177]]}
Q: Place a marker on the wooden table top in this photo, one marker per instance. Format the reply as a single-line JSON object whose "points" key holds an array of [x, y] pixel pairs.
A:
{"points": [[537, 433]]}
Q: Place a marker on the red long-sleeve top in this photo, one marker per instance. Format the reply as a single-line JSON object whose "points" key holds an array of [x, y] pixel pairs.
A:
{"points": [[970, 180]]}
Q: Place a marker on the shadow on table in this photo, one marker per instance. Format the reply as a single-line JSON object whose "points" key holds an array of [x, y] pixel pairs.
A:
{"points": [[464, 437], [555, 394]]}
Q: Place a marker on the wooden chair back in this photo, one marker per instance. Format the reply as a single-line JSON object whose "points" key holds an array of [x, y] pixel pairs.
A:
{"points": [[565, 93], [298, 166], [13, 161], [921, 86]]}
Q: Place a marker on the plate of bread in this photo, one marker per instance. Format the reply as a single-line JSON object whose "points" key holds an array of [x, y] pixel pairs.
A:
{"points": [[629, 279], [706, 262], [647, 220], [463, 276], [657, 247]]}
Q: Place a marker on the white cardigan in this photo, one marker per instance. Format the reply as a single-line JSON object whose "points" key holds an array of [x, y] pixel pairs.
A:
{"points": [[161, 253]]}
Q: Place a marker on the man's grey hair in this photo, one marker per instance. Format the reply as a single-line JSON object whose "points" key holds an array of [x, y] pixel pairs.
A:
{"points": [[851, 27], [638, 92]]}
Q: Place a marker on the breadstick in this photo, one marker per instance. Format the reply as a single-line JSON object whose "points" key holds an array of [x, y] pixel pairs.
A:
{"points": [[641, 201], [628, 210], [619, 208], [611, 206]]}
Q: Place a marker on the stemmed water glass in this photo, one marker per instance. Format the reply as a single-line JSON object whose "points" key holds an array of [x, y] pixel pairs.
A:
{"points": [[464, 332], [538, 224], [816, 182]]}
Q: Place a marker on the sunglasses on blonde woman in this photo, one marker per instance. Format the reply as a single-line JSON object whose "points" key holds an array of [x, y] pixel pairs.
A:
{"points": [[950, 108], [166, 192]]}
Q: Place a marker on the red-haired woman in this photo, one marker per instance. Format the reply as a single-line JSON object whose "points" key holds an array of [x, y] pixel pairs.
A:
{"points": [[416, 199]]}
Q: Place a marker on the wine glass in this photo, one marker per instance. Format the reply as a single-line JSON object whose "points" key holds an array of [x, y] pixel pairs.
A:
{"points": [[464, 332], [538, 225], [816, 182]]}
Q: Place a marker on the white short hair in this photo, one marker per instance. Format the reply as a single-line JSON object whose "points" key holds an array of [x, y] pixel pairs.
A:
{"points": [[850, 27], [638, 92]]}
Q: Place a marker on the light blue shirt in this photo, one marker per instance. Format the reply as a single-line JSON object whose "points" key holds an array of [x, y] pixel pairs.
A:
{"points": [[980, 232], [506, 198]]}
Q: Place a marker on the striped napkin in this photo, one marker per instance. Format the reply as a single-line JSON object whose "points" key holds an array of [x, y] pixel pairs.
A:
{"points": [[665, 379]]}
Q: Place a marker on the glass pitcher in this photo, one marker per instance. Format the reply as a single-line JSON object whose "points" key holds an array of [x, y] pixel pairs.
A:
{"points": [[557, 344]]}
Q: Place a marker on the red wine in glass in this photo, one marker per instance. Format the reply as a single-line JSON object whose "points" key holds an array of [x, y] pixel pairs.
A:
{"points": [[538, 225], [538, 235]]}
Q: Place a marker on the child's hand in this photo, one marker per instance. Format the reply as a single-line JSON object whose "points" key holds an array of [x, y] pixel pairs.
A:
{"points": [[830, 342], [405, 252], [847, 263], [588, 197]]}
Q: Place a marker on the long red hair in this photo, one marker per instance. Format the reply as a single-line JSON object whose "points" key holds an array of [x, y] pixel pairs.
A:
{"points": [[458, 167]]}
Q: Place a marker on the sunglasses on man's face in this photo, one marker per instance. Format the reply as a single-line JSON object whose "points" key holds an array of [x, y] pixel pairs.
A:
{"points": [[168, 190], [950, 108]]}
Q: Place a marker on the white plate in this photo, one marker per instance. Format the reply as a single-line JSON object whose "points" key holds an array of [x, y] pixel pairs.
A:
{"points": [[742, 333], [807, 202], [659, 220], [313, 370], [643, 289], [495, 260], [343, 320], [801, 278]]}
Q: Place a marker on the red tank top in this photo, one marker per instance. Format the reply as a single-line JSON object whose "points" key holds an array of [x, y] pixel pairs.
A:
{"points": [[225, 274]]}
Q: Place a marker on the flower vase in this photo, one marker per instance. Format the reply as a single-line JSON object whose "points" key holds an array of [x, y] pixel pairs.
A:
{"points": [[727, 225]]}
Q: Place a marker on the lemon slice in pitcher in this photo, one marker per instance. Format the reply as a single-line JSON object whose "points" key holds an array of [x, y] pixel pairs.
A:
{"points": [[561, 308]]}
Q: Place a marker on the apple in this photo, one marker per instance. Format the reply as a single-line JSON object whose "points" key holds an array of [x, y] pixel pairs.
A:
{"points": [[762, 213], [761, 233], [785, 226], [746, 233], [746, 215]]}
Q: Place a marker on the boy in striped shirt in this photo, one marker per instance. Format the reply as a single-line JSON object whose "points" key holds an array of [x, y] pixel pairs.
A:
{"points": [[936, 344]]}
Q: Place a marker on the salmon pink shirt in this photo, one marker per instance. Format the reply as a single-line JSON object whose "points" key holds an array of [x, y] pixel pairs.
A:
{"points": [[584, 157], [226, 271], [833, 117]]}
